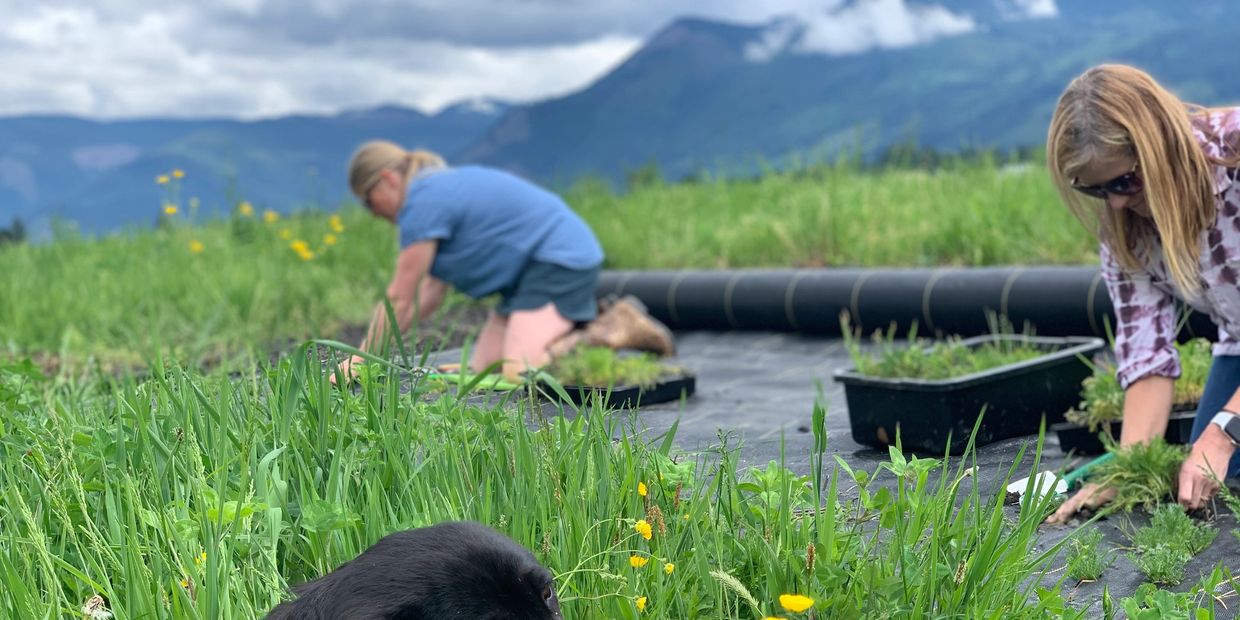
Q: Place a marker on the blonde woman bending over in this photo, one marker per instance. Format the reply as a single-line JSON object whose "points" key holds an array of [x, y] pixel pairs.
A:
{"points": [[485, 232], [1155, 180]]}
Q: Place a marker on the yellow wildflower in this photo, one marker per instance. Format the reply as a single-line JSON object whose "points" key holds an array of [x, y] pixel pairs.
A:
{"points": [[201, 559], [178, 174], [637, 561], [668, 568], [641, 603], [270, 216], [185, 583], [643, 528], [170, 209], [337, 225], [196, 247], [329, 239], [299, 246], [245, 209], [795, 603], [772, 618], [286, 234], [162, 179], [641, 489]]}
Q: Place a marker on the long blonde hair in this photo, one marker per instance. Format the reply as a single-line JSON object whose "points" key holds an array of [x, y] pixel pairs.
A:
{"points": [[1116, 110], [375, 156]]}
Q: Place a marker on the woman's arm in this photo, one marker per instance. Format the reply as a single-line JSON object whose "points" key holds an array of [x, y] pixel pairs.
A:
{"points": [[412, 289], [1147, 406]]}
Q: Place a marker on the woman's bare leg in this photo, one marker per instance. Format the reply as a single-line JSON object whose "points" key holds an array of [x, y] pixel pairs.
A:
{"points": [[529, 334]]}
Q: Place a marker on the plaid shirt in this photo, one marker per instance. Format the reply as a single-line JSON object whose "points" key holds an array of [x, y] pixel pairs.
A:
{"points": [[1144, 300]]}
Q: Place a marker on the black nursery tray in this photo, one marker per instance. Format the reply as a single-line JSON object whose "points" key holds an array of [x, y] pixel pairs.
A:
{"points": [[628, 396], [1080, 440], [933, 415]]}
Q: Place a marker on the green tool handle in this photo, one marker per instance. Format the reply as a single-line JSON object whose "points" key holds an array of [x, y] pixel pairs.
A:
{"points": [[1071, 478]]}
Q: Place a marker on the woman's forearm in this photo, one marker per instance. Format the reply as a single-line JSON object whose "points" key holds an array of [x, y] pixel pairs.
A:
{"points": [[430, 295], [1147, 407]]}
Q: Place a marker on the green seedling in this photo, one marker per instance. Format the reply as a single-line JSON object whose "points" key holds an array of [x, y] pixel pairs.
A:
{"points": [[941, 359], [603, 367], [1102, 398], [1163, 563], [1143, 475], [1087, 557], [1170, 525], [1151, 603]]}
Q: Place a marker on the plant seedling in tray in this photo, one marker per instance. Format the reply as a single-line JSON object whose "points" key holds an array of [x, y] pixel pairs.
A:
{"points": [[617, 379]]}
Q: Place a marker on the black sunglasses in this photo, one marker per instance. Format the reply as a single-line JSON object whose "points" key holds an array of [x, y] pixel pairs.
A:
{"points": [[1125, 184]]}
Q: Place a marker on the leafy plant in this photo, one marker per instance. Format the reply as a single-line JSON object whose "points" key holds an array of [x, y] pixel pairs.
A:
{"points": [[940, 359], [1151, 603], [1142, 474], [1102, 398], [1087, 558], [602, 366], [1163, 563], [1170, 525]]}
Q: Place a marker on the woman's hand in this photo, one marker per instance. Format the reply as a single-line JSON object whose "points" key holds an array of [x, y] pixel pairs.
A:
{"points": [[1091, 496], [346, 369], [1204, 467]]}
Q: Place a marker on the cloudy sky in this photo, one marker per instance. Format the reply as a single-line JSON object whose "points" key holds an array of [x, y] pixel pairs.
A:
{"points": [[258, 58]]}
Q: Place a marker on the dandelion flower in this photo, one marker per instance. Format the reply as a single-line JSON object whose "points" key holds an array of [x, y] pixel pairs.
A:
{"points": [[669, 568], [329, 239], [641, 603], [795, 603], [197, 247], [185, 583], [178, 174], [299, 246], [641, 489], [643, 528], [201, 559], [162, 179], [336, 224], [245, 209], [772, 618], [270, 216], [637, 561], [170, 209]]}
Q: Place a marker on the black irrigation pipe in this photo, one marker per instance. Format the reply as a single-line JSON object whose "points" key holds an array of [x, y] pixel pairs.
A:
{"points": [[1056, 301]]}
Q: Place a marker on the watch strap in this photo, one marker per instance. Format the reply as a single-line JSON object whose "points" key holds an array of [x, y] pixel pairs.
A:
{"points": [[1229, 422]]}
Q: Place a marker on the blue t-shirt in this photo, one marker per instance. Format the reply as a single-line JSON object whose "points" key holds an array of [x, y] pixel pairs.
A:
{"points": [[490, 224]]}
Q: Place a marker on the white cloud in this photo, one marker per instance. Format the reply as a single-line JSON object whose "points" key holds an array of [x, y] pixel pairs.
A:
{"points": [[1036, 9], [858, 27], [873, 24], [78, 61], [252, 58]]}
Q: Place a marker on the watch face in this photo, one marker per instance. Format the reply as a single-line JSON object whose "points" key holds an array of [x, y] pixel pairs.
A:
{"points": [[1232, 428]]}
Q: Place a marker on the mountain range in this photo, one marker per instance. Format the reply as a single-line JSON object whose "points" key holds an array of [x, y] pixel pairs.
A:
{"points": [[698, 95]]}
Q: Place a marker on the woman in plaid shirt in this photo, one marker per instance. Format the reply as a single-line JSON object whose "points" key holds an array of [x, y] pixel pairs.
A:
{"points": [[1155, 179]]}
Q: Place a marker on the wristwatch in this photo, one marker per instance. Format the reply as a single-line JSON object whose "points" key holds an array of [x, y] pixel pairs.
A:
{"points": [[1229, 421]]}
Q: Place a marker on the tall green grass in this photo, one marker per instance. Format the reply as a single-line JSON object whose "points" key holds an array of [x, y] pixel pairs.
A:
{"points": [[970, 214], [129, 295], [193, 497]]}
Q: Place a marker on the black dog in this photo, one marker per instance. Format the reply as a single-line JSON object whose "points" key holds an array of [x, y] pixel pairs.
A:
{"points": [[447, 571]]}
